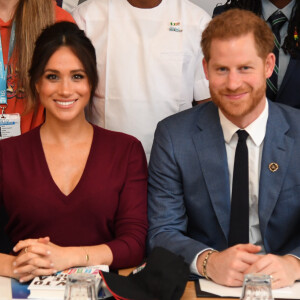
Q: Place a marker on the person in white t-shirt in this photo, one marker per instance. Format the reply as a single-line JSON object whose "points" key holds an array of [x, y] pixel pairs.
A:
{"points": [[149, 61]]}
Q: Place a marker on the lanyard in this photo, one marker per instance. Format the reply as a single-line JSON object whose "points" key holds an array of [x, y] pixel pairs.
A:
{"points": [[3, 70]]}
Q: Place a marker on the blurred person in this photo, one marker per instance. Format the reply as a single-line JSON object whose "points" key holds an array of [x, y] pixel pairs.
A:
{"points": [[149, 59], [80, 196], [69, 5], [21, 21]]}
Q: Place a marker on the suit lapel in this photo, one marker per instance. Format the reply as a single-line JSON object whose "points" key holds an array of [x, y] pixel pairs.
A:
{"points": [[277, 149], [210, 147]]}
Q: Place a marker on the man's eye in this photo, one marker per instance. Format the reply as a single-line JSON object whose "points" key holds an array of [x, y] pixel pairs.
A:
{"points": [[222, 69]]}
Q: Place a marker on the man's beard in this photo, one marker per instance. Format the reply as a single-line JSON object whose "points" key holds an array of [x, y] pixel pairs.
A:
{"points": [[240, 108]]}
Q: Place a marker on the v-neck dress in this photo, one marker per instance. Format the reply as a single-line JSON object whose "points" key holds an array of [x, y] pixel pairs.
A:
{"points": [[108, 205]]}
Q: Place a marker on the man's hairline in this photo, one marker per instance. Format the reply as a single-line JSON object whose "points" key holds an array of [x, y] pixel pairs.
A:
{"points": [[236, 37]]}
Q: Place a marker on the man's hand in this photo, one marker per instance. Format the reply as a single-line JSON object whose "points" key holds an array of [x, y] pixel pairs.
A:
{"points": [[283, 269], [228, 267]]}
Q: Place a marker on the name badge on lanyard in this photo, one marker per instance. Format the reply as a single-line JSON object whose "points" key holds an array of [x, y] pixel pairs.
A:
{"points": [[9, 123], [3, 68]]}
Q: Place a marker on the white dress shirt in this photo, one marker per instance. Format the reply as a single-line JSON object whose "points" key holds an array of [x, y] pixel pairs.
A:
{"points": [[255, 141]]}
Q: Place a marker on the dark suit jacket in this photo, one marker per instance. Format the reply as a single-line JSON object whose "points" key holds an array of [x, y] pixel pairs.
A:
{"points": [[189, 192], [289, 92]]}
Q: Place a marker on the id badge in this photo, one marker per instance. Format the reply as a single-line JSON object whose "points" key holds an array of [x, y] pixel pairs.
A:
{"points": [[10, 125], [3, 97]]}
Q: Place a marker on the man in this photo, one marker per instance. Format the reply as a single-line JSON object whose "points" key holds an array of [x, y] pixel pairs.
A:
{"points": [[149, 61], [287, 90], [192, 179]]}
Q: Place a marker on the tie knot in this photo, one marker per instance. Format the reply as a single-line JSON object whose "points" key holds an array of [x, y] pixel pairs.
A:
{"points": [[243, 135], [277, 19]]}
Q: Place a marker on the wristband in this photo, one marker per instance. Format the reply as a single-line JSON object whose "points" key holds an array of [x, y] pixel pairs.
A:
{"points": [[204, 264]]}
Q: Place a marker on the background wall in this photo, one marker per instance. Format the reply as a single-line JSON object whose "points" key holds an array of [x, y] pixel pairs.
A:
{"points": [[208, 5]]}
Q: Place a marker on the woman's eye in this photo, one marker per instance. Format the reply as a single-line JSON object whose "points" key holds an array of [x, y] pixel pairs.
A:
{"points": [[78, 76], [51, 77]]}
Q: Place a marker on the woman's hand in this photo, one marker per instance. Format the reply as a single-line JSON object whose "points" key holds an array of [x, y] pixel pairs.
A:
{"points": [[36, 257]]}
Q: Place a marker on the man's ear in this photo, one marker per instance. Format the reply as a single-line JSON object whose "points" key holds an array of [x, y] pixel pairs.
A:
{"points": [[205, 67], [269, 64]]}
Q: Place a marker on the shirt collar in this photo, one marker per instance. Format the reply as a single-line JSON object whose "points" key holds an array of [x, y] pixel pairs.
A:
{"points": [[256, 130], [268, 8]]}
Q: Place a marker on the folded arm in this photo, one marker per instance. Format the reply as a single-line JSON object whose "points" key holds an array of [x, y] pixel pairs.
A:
{"points": [[41, 257]]}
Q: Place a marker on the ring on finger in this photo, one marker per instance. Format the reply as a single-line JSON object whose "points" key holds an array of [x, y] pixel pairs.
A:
{"points": [[26, 250], [272, 278]]}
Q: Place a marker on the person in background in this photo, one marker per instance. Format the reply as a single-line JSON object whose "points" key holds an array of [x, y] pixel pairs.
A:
{"points": [[223, 187], [69, 5], [21, 21], [80, 196], [149, 59], [283, 16]]}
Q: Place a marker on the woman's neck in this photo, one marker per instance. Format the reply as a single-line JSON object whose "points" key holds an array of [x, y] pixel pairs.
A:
{"points": [[7, 9], [60, 132]]}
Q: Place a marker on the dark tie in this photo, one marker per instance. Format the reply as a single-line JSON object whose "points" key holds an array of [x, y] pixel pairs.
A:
{"points": [[239, 217], [277, 19], [59, 3]]}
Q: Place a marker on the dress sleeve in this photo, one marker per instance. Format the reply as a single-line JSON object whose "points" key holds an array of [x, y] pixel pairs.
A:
{"points": [[131, 223]]}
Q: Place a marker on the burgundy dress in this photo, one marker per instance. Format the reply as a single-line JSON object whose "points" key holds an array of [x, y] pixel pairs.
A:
{"points": [[108, 205]]}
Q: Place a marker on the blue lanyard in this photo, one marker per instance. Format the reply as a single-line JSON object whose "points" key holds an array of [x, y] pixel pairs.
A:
{"points": [[3, 69]]}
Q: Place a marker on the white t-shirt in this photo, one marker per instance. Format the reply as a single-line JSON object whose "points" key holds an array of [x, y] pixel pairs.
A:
{"points": [[148, 68], [69, 5]]}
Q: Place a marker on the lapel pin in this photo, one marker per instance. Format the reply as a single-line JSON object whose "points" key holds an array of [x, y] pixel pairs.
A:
{"points": [[273, 167]]}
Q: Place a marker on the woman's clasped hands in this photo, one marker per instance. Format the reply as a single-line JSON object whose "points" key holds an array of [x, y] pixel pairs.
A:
{"points": [[36, 257]]}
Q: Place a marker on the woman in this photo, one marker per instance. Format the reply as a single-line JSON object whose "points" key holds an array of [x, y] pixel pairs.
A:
{"points": [[81, 186], [21, 21]]}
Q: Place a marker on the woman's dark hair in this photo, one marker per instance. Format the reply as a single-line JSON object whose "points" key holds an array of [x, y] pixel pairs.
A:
{"points": [[50, 40], [290, 45]]}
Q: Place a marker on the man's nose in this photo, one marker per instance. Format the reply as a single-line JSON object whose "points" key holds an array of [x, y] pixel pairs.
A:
{"points": [[234, 80]]}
